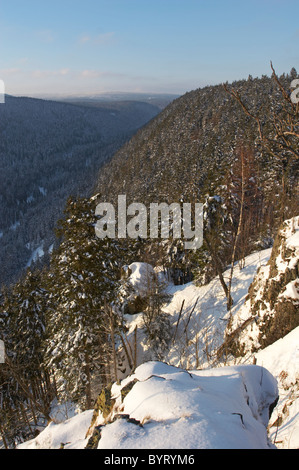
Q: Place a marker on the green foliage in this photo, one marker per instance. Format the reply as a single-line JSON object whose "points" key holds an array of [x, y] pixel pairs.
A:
{"points": [[83, 279], [156, 323], [190, 152]]}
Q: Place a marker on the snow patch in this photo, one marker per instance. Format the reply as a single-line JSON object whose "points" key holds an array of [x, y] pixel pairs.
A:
{"points": [[140, 277], [291, 290], [37, 253], [15, 226], [70, 434], [42, 190]]}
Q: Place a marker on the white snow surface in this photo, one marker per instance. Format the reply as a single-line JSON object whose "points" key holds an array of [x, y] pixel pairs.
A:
{"points": [[70, 432], [222, 408], [282, 360], [205, 410], [219, 408], [140, 277]]}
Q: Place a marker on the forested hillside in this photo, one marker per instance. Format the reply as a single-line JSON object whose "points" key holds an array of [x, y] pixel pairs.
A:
{"points": [[103, 306], [204, 147], [189, 148], [50, 150]]}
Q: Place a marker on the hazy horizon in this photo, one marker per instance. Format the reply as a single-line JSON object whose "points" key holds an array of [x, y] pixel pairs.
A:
{"points": [[72, 47]]}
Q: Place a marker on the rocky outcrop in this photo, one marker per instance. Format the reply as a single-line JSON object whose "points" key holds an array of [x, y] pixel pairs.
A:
{"points": [[162, 406], [271, 309]]}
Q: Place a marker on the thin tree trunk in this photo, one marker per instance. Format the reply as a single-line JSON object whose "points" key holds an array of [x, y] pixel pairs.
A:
{"points": [[25, 417], [41, 408], [178, 321], [88, 384], [126, 351], [218, 267], [239, 229], [113, 345], [189, 318], [33, 412], [135, 347]]}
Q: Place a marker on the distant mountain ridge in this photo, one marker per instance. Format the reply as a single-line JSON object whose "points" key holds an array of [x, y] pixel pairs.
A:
{"points": [[156, 99]]}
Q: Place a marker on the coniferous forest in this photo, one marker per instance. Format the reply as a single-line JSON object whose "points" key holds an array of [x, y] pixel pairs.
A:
{"points": [[232, 147], [49, 151]]}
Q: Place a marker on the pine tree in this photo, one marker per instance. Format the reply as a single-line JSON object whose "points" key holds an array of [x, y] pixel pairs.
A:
{"points": [[25, 389], [83, 277], [156, 323]]}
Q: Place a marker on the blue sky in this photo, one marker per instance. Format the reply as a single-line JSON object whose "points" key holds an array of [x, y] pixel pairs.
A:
{"points": [[93, 46]]}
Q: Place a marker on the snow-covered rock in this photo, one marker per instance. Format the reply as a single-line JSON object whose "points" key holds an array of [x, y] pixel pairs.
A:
{"points": [[139, 281], [166, 407], [271, 308], [172, 408], [140, 276], [282, 360]]}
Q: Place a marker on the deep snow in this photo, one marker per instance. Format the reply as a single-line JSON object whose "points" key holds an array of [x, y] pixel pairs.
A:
{"points": [[223, 408], [212, 408]]}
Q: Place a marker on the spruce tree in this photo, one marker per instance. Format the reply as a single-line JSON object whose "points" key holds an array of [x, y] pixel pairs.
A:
{"points": [[26, 390], [83, 277]]}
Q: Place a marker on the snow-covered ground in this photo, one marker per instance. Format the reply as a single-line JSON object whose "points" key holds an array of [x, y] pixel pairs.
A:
{"points": [[282, 360], [206, 316], [221, 405], [170, 408], [177, 409], [70, 432], [198, 328]]}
